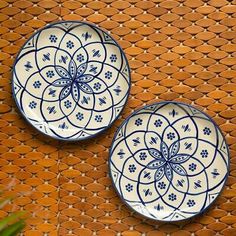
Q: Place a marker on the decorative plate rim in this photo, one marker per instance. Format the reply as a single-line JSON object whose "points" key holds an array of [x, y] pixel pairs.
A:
{"points": [[97, 28], [163, 103]]}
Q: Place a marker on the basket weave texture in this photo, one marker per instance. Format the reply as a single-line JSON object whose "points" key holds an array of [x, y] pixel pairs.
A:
{"points": [[177, 50]]}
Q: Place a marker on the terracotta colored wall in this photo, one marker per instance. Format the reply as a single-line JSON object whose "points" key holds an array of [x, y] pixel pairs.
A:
{"points": [[178, 50]]}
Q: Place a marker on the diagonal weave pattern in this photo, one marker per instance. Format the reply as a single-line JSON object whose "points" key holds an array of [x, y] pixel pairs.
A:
{"points": [[177, 50]]}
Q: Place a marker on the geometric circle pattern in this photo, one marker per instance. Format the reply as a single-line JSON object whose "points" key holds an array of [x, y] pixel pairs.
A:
{"points": [[71, 80], [169, 161]]}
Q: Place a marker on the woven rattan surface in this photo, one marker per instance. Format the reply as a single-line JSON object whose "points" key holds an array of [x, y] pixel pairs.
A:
{"points": [[177, 50]]}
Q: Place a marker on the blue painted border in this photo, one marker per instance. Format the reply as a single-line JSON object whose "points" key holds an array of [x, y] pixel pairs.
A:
{"points": [[97, 28], [164, 103]]}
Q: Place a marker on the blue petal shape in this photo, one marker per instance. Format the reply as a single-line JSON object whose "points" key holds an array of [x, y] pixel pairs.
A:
{"points": [[81, 69], [164, 150], [155, 153], [156, 164], [168, 172], [179, 158], [178, 169], [62, 82], [84, 78], [75, 92], [62, 72], [174, 148], [85, 88], [159, 174], [72, 69], [65, 92]]}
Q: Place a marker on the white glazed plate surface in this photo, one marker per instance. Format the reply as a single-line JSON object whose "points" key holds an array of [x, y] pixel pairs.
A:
{"points": [[169, 161], [71, 80]]}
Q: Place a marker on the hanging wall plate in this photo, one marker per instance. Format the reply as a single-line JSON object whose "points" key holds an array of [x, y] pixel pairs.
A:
{"points": [[71, 80], [169, 161]]}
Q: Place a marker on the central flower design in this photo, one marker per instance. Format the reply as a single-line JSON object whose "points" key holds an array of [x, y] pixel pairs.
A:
{"points": [[167, 161], [73, 80]]}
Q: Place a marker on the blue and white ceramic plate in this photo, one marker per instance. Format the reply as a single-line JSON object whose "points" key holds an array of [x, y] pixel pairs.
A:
{"points": [[169, 161], [71, 80]]}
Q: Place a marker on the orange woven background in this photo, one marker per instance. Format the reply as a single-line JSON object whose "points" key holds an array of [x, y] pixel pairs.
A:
{"points": [[177, 50]]}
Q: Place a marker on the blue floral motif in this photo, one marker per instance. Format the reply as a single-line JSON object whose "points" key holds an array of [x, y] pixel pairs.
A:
{"points": [[192, 167], [32, 105], [80, 57], [171, 136], [70, 44], [67, 104], [73, 81], [108, 74], [129, 187], [50, 74], [161, 185], [207, 131], [167, 161], [53, 38], [97, 86], [138, 122], [37, 84], [113, 58], [142, 156], [191, 203], [158, 123], [204, 153], [98, 118], [79, 116], [172, 197], [132, 168]]}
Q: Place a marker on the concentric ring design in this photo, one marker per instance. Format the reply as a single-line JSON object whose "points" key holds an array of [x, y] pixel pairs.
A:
{"points": [[169, 161], [71, 80]]}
